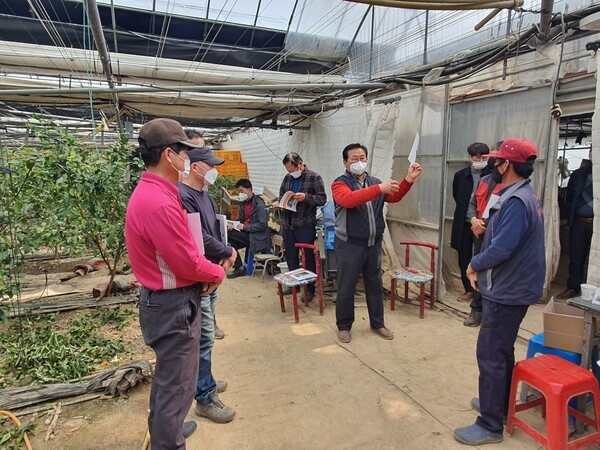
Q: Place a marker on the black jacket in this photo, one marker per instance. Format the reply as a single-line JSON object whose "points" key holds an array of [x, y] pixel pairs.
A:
{"points": [[462, 188], [258, 228]]}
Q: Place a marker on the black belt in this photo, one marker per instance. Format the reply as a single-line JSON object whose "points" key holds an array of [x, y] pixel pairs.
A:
{"points": [[191, 287], [587, 220]]}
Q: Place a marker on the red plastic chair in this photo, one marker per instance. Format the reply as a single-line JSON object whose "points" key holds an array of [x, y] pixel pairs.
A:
{"points": [[283, 280], [558, 380], [409, 274]]}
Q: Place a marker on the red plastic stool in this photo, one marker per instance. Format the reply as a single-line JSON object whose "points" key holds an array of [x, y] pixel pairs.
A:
{"points": [[558, 381], [283, 279]]}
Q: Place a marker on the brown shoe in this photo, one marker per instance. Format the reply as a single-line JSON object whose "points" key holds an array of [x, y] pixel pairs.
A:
{"points": [[344, 336], [384, 332], [466, 297], [567, 294]]}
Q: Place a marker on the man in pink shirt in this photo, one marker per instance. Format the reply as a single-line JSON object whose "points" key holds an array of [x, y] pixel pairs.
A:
{"points": [[165, 260]]}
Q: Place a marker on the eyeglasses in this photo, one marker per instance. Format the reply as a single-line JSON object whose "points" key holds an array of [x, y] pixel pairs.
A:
{"points": [[179, 156], [500, 162]]}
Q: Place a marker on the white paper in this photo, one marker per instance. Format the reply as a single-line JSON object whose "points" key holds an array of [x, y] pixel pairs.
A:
{"points": [[301, 274], [491, 202], [287, 201], [222, 227], [234, 224], [412, 156], [195, 225]]}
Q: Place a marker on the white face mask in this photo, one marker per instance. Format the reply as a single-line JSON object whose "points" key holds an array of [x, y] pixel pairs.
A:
{"points": [[358, 168], [211, 176], [296, 174], [243, 197], [186, 168], [479, 165]]}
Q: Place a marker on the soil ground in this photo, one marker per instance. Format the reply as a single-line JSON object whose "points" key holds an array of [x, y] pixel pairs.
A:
{"points": [[295, 386]]}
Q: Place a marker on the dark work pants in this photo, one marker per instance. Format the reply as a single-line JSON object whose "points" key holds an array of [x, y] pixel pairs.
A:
{"points": [[476, 302], [170, 325], [238, 240], [580, 239], [351, 260], [304, 235], [496, 360], [465, 253]]}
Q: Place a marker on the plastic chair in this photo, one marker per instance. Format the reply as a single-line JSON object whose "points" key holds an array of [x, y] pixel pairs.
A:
{"points": [[284, 279], [558, 380], [266, 259], [419, 277], [535, 347]]}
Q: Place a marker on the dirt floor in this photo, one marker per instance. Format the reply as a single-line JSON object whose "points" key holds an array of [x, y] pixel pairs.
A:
{"points": [[295, 386]]}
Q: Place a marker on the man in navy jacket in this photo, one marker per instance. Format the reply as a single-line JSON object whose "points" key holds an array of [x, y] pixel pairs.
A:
{"points": [[509, 272], [580, 199]]}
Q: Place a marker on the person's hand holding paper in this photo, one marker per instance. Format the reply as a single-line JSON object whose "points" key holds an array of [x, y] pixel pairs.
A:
{"points": [[413, 173]]}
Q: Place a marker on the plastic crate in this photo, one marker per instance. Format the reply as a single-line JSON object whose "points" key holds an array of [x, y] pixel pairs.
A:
{"points": [[233, 168], [229, 155]]}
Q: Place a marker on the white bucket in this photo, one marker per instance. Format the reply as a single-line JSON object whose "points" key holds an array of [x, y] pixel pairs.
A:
{"points": [[587, 291], [283, 267]]}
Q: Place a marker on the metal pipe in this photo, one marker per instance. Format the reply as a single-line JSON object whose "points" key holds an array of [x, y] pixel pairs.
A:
{"points": [[230, 88], [356, 32], [487, 18], [96, 27], [371, 46], [443, 5], [546, 16], [426, 42], [114, 25], [444, 181], [287, 32]]}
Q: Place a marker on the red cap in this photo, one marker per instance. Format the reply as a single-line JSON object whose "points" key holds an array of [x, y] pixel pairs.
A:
{"points": [[516, 150]]}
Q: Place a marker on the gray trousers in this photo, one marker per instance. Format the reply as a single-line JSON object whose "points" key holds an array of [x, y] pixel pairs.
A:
{"points": [[170, 325]]}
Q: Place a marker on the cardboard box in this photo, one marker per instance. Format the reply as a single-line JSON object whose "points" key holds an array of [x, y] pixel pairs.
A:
{"points": [[563, 327]]}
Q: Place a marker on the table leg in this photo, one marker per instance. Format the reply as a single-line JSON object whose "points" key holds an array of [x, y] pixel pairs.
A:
{"points": [[586, 359]]}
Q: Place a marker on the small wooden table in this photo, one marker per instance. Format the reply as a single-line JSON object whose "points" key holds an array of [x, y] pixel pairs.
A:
{"points": [[591, 313]]}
